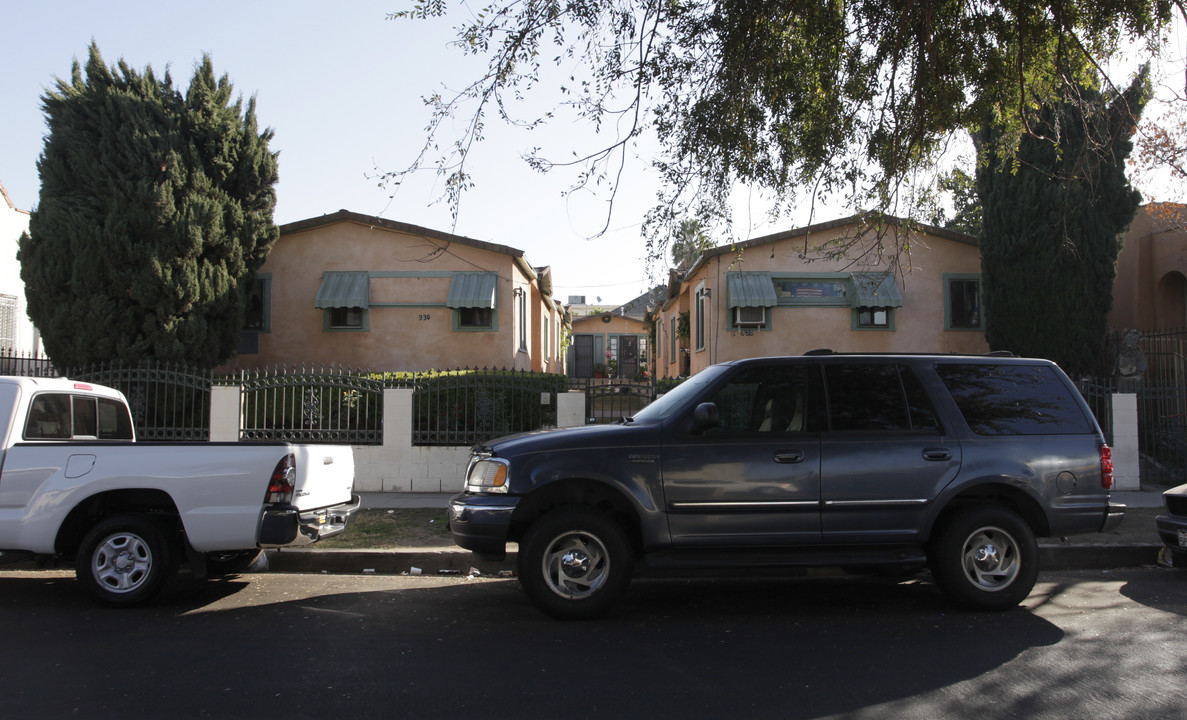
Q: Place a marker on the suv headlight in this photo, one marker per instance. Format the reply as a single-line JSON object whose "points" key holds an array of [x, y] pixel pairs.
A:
{"points": [[488, 475]]}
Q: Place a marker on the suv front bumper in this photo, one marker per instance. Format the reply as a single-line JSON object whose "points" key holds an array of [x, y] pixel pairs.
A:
{"points": [[481, 523]]}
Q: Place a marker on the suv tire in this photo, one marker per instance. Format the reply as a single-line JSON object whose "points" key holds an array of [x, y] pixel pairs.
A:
{"points": [[575, 563], [985, 558]]}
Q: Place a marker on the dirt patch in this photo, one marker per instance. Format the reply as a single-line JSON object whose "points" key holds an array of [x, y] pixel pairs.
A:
{"points": [[396, 528]]}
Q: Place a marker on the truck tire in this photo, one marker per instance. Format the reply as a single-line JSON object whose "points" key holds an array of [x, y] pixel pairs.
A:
{"points": [[985, 558], [575, 563], [124, 561]]}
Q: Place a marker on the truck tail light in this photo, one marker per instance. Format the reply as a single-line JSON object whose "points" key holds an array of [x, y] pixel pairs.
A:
{"points": [[1106, 466], [282, 485]]}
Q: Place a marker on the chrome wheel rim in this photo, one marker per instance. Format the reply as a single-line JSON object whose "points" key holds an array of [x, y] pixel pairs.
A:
{"points": [[575, 565], [122, 563], [990, 559]]}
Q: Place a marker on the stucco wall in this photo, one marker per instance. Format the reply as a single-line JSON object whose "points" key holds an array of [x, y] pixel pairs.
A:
{"points": [[918, 325], [408, 325], [1148, 293]]}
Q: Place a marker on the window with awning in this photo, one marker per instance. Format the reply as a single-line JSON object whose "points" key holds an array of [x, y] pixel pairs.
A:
{"points": [[472, 290], [876, 290], [751, 289], [473, 295]]}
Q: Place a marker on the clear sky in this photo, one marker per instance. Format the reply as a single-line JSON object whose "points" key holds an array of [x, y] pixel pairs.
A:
{"points": [[342, 87]]}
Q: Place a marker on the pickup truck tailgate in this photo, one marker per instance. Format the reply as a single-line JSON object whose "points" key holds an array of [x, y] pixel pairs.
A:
{"points": [[325, 476]]}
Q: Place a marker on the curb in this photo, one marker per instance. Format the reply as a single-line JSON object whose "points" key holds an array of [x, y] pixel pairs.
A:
{"points": [[456, 561]]}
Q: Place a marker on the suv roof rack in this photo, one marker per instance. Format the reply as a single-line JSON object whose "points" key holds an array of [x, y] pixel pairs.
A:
{"points": [[821, 351]]}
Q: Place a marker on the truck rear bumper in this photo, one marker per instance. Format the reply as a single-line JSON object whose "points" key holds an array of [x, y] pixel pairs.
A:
{"points": [[286, 526]]}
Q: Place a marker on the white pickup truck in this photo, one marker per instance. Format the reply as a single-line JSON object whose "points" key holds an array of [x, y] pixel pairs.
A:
{"points": [[75, 486]]}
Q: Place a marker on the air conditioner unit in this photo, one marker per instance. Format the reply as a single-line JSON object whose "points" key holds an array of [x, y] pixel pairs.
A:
{"points": [[750, 317]]}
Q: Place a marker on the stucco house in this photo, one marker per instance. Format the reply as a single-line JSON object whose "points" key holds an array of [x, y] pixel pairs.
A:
{"points": [[1150, 292], [17, 332], [867, 283], [379, 295], [612, 343]]}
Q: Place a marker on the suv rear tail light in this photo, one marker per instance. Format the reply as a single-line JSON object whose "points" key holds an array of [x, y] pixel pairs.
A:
{"points": [[1106, 466], [283, 482]]}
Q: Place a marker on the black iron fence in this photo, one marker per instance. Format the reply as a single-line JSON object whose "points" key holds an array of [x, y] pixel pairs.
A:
{"points": [[323, 404], [310, 405], [1162, 407]]}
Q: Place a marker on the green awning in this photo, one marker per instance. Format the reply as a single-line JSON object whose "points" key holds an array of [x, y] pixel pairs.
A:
{"points": [[472, 290], [751, 289], [876, 290], [344, 290]]}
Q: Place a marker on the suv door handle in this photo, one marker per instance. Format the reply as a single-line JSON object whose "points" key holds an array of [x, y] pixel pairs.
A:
{"points": [[789, 456], [937, 454]]}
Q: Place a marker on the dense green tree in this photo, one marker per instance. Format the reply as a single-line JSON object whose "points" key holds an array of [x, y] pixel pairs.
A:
{"points": [[155, 212], [1052, 216], [839, 101]]}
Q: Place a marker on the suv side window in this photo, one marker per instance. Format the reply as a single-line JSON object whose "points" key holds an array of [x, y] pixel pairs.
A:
{"points": [[877, 397], [774, 399], [1013, 399]]}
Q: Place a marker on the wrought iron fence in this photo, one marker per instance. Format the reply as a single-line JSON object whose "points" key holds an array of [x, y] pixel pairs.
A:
{"points": [[611, 400], [470, 406], [25, 365], [312, 405], [169, 402], [1162, 407]]}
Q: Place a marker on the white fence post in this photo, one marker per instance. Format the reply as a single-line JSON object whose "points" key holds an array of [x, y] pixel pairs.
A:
{"points": [[570, 408], [1126, 456], [226, 404]]}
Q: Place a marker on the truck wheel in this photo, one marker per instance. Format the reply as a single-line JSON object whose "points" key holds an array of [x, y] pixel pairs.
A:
{"points": [[124, 560], [231, 562], [985, 558], [574, 563]]}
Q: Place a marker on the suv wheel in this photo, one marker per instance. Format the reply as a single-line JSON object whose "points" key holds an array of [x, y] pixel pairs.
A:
{"points": [[985, 558], [574, 563]]}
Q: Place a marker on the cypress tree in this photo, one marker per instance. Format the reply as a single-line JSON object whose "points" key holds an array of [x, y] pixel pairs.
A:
{"points": [[155, 213], [1052, 217]]}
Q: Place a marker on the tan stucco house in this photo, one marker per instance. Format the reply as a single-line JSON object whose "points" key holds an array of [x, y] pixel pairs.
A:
{"points": [[378, 295], [860, 284], [1150, 292]]}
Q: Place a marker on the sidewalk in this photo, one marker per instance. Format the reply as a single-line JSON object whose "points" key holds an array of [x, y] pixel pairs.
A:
{"points": [[1133, 544]]}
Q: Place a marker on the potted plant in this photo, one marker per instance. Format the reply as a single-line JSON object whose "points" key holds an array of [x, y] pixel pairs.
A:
{"points": [[599, 370]]}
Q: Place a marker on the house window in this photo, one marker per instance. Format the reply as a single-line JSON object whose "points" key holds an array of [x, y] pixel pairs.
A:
{"points": [[672, 341], [700, 318], [962, 302], [475, 318], [750, 297], [8, 321], [521, 307], [828, 290], [347, 318], [257, 313], [873, 318]]}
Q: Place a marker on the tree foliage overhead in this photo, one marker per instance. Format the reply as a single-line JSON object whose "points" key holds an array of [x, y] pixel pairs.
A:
{"points": [[155, 212], [1052, 217], [805, 99]]}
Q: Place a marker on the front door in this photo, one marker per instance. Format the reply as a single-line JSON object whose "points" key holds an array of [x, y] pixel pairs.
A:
{"points": [[628, 356], [583, 356]]}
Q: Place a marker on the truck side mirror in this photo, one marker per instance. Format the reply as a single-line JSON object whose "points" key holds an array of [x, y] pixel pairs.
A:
{"points": [[705, 417]]}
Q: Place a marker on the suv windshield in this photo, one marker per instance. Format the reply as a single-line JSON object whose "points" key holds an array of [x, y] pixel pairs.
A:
{"points": [[667, 403]]}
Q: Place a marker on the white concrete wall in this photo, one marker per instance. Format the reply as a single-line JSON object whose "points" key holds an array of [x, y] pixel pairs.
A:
{"points": [[1126, 456]]}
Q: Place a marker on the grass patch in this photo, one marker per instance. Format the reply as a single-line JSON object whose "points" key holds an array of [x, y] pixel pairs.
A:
{"points": [[396, 528]]}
